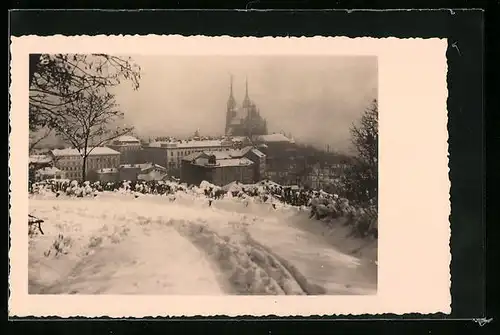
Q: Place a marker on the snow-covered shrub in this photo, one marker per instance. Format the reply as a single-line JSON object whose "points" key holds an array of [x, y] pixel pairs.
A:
{"points": [[324, 206]]}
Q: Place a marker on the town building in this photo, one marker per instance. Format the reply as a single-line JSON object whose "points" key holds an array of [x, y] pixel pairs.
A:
{"points": [[108, 175], [145, 172], [280, 154], [49, 173], [152, 172], [244, 120], [129, 148], [257, 157], [40, 161], [240, 142], [325, 176], [70, 161], [217, 172], [223, 167], [170, 153]]}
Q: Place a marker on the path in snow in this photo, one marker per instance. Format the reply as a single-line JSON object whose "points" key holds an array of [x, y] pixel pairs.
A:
{"points": [[309, 247], [117, 244], [116, 258], [326, 267]]}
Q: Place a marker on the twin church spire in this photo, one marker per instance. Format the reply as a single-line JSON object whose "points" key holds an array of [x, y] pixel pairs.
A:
{"points": [[245, 120], [232, 101]]}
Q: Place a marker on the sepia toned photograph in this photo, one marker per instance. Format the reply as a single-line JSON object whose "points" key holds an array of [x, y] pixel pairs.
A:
{"points": [[200, 176], [203, 175]]}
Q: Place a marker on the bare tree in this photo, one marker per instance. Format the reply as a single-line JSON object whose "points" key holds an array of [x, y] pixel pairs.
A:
{"points": [[365, 136], [58, 80], [38, 136], [85, 122], [361, 178]]}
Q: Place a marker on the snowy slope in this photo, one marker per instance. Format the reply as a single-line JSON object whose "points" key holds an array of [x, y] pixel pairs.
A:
{"points": [[119, 244]]}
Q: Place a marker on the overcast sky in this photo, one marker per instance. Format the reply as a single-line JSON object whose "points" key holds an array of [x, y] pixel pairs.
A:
{"points": [[314, 98]]}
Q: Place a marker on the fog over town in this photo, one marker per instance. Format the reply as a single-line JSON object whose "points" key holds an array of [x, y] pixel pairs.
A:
{"points": [[313, 98]]}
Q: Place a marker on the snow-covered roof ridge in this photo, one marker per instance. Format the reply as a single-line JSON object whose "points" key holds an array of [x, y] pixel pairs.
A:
{"points": [[189, 144], [276, 137], [40, 159], [95, 151], [141, 166], [234, 162], [192, 156], [127, 138], [219, 154], [257, 152], [48, 170], [147, 166]]}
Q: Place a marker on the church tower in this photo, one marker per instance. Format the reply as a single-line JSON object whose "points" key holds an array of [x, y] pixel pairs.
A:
{"points": [[246, 102], [231, 106], [244, 120]]}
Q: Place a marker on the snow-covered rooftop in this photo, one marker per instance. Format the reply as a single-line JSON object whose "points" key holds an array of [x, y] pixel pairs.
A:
{"points": [[273, 138], [95, 151], [152, 176], [244, 150], [192, 156], [127, 138], [151, 165], [239, 138], [232, 162], [220, 154], [142, 166], [48, 171], [235, 162], [40, 159], [188, 144], [257, 152]]}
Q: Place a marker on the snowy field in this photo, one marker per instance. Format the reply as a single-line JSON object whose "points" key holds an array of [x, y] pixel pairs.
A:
{"points": [[117, 243]]}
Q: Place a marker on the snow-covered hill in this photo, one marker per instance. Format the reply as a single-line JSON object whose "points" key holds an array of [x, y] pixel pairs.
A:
{"points": [[125, 243]]}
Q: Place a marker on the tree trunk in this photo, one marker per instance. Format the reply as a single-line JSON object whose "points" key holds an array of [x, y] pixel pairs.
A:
{"points": [[84, 168]]}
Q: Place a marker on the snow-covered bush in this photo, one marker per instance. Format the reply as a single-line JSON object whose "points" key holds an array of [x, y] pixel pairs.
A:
{"points": [[324, 206]]}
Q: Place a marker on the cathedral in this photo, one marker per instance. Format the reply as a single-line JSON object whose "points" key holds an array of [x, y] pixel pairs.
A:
{"points": [[244, 120]]}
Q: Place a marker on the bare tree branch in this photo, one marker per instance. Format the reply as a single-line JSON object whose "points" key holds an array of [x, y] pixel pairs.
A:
{"points": [[35, 140], [60, 79], [85, 122], [361, 179]]}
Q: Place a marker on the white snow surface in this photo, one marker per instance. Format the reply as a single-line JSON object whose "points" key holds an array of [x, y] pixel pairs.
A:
{"points": [[129, 243]]}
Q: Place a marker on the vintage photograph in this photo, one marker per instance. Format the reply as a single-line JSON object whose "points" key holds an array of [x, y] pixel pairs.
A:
{"points": [[203, 174]]}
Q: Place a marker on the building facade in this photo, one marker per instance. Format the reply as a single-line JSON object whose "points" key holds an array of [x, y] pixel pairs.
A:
{"points": [[225, 167], [129, 148], [218, 168], [145, 172], [49, 173], [259, 160], [281, 157], [40, 161], [244, 120], [107, 175], [170, 154], [71, 162]]}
